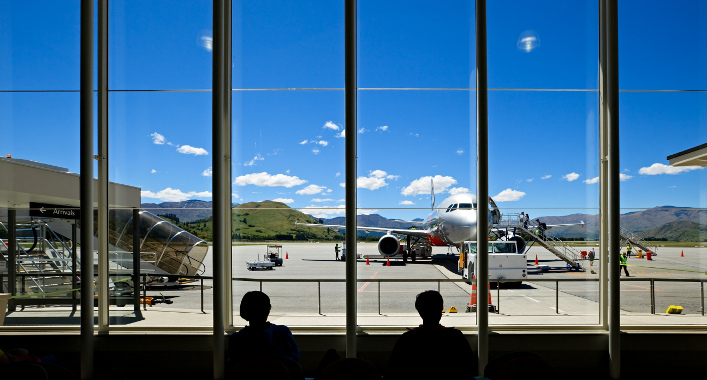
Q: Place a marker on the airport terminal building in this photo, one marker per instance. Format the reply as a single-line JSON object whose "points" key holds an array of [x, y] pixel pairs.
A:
{"points": [[156, 156]]}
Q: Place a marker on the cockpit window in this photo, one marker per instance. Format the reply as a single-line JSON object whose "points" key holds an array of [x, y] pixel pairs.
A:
{"points": [[465, 206], [451, 207]]}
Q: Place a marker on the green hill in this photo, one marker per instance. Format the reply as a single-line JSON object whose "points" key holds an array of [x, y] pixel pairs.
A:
{"points": [[265, 220], [677, 231]]}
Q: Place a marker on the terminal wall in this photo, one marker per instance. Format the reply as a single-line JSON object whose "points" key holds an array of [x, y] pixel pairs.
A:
{"points": [[578, 355]]}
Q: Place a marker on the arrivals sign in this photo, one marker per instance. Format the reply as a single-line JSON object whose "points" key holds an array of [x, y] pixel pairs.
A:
{"points": [[46, 210]]}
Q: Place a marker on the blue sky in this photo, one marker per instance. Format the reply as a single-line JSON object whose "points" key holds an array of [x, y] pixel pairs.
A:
{"points": [[288, 143]]}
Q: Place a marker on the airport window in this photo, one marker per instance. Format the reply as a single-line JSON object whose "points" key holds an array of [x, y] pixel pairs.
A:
{"points": [[288, 158], [416, 95], [663, 98]]}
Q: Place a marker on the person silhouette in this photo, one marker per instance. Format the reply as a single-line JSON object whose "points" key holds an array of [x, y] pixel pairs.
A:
{"points": [[423, 352], [260, 338]]}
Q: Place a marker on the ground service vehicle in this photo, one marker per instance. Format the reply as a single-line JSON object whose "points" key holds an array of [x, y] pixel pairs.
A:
{"points": [[504, 262]]}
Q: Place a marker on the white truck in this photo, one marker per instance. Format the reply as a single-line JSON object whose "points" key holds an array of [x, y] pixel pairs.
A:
{"points": [[504, 262]]}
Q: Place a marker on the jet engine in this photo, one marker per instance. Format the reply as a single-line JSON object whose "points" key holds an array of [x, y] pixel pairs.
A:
{"points": [[388, 245]]}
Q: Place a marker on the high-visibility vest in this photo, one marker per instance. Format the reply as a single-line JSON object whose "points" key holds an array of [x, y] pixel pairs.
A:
{"points": [[622, 260]]}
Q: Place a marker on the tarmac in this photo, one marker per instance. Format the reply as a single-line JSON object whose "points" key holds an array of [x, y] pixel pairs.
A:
{"points": [[307, 293]]}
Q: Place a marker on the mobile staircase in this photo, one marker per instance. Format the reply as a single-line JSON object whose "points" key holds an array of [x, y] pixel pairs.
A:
{"points": [[559, 248], [637, 241], [44, 259]]}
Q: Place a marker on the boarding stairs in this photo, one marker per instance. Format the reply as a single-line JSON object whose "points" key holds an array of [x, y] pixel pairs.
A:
{"points": [[559, 248], [637, 241], [41, 254]]}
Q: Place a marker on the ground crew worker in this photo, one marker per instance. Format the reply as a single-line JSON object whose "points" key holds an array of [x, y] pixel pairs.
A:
{"points": [[622, 264], [591, 257], [336, 249], [628, 250]]}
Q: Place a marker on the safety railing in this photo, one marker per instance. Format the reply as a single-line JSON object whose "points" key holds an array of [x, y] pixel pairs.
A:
{"points": [[498, 286]]}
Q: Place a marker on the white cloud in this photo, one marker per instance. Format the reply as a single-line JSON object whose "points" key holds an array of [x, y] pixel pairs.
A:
{"points": [[546, 176], [361, 130], [378, 174], [258, 157], [315, 151], [304, 142], [174, 195], [591, 180], [343, 184], [370, 183], [657, 169], [319, 200], [311, 189], [186, 149], [382, 128], [422, 185], [283, 200], [458, 190], [323, 143], [328, 191], [624, 177], [390, 176], [324, 211], [407, 203], [342, 134], [331, 125], [337, 174], [265, 179], [234, 195], [508, 195], [157, 139], [153, 171], [208, 172], [460, 151], [570, 177], [529, 180]]}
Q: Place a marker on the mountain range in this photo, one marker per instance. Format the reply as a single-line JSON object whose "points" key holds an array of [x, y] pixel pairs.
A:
{"points": [[658, 223]]}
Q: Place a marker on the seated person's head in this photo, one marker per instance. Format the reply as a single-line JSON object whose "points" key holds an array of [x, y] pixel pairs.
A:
{"points": [[255, 307], [429, 304]]}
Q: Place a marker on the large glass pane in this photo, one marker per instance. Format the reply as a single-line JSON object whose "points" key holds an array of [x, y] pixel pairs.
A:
{"points": [[38, 166], [288, 157], [160, 152], [544, 156], [416, 149], [662, 116]]}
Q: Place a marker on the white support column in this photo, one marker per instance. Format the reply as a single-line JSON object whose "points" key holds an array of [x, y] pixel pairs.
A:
{"points": [[102, 157]]}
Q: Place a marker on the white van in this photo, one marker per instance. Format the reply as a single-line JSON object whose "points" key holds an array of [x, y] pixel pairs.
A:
{"points": [[504, 261]]}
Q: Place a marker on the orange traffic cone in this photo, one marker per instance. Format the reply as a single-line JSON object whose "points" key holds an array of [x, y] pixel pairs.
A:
{"points": [[473, 304], [287, 255], [681, 254], [367, 263], [536, 259], [388, 263]]}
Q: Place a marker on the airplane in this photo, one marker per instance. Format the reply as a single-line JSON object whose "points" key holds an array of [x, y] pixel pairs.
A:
{"points": [[445, 226]]}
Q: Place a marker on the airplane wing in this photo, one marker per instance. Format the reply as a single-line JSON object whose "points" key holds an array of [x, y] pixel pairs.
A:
{"points": [[400, 231]]}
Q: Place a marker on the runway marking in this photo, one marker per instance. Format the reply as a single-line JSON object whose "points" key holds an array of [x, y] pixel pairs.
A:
{"points": [[366, 284], [678, 270], [532, 299]]}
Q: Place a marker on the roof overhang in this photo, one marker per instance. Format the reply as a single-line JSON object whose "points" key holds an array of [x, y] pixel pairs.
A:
{"points": [[22, 182], [696, 156]]}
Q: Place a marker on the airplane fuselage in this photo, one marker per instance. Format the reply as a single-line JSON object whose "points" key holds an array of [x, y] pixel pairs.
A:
{"points": [[453, 221]]}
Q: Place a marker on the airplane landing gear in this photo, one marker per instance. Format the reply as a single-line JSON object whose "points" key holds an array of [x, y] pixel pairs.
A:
{"points": [[405, 256]]}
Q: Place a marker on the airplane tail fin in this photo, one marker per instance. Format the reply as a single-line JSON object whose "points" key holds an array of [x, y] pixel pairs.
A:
{"points": [[432, 191]]}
